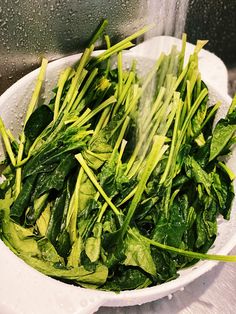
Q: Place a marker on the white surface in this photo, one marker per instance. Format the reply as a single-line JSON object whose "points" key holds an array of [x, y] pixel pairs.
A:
{"points": [[24, 290]]}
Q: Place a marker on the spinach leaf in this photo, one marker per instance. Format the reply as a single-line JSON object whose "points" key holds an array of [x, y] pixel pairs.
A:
{"points": [[223, 188], [48, 251], [56, 178], [165, 265], [171, 230], [56, 218], [37, 122], [93, 244], [34, 211], [22, 201], [195, 171], [222, 133], [138, 253], [127, 278]]}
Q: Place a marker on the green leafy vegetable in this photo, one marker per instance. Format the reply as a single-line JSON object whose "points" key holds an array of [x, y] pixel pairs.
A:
{"points": [[118, 181]]}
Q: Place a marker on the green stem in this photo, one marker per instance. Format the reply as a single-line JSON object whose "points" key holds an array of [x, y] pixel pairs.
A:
{"points": [[230, 173], [233, 105], [147, 127], [210, 115], [123, 43], [154, 157], [182, 54], [128, 197], [61, 82], [82, 63], [37, 89], [93, 179], [174, 138], [108, 43], [158, 119], [192, 111], [103, 105], [102, 211], [124, 91], [76, 91], [162, 73], [121, 135], [31, 108], [101, 121], [105, 205], [7, 143], [98, 32], [85, 88], [120, 73], [203, 256], [109, 52], [122, 149]]}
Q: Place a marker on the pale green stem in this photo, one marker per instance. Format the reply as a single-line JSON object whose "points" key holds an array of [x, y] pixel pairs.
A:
{"points": [[128, 197], [61, 82], [37, 89], [158, 118], [127, 101], [120, 46], [99, 32], [120, 73], [84, 59], [121, 135], [10, 135], [174, 138], [230, 173], [18, 160], [122, 149], [109, 52], [173, 196], [210, 115], [193, 109], [162, 72], [140, 91], [102, 211], [7, 143], [153, 158], [124, 91], [182, 54], [102, 106], [233, 105], [101, 121], [85, 88], [30, 110], [108, 43], [155, 107], [80, 81]]}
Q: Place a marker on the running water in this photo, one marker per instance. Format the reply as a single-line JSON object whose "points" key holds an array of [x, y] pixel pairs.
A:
{"points": [[169, 16]]}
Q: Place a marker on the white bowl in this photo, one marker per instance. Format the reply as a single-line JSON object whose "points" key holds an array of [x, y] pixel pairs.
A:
{"points": [[25, 290]]}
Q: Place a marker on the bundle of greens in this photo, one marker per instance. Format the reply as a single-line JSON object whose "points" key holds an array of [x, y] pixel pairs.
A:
{"points": [[118, 181]]}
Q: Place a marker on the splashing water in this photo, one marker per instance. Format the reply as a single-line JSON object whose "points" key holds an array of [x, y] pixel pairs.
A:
{"points": [[169, 17]]}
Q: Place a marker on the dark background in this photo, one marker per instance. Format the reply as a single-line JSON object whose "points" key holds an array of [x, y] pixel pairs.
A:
{"points": [[30, 29]]}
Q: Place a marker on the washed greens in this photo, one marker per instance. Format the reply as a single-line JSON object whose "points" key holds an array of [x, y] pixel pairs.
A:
{"points": [[118, 181]]}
